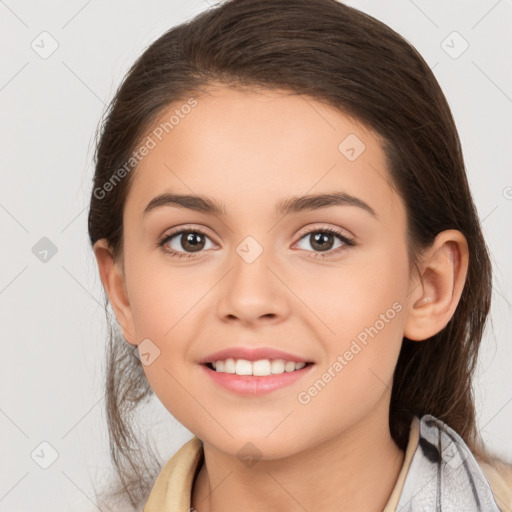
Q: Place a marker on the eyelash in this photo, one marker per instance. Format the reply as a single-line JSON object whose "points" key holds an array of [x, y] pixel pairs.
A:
{"points": [[348, 242]]}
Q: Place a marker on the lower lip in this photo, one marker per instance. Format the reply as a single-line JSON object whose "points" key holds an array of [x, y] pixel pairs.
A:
{"points": [[255, 385]]}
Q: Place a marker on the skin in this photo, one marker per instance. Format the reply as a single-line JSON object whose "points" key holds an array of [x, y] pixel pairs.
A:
{"points": [[249, 150]]}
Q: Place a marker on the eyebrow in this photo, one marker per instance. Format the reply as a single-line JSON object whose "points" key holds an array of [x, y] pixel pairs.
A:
{"points": [[293, 204]]}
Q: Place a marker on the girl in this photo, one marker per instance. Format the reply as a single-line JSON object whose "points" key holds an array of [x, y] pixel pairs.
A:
{"points": [[284, 230]]}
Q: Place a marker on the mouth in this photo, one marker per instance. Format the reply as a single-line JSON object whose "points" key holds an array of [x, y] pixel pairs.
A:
{"points": [[260, 368], [253, 378]]}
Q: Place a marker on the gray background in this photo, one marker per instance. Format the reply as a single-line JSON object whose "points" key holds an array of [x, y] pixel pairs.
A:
{"points": [[52, 316]]}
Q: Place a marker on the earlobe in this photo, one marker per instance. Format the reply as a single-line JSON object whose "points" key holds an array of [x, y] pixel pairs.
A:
{"points": [[113, 281], [435, 294]]}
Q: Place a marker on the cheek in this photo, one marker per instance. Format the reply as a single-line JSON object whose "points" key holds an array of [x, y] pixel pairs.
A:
{"points": [[165, 304], [161, 297], [362, 311], [366, 313], [357, 293]]}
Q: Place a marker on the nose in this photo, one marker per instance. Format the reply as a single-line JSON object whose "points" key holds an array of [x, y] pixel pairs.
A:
{"points": [[252, 292]]}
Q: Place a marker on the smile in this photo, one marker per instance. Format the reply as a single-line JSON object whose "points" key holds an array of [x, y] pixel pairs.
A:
{"points": [[255, 377]]}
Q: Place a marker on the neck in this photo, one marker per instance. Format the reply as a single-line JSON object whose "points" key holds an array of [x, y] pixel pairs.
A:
{"points": [[355, 470]]}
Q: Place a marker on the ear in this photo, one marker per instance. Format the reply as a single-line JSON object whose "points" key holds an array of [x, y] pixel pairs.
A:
{"points": [[435, 293], [112, 277]]}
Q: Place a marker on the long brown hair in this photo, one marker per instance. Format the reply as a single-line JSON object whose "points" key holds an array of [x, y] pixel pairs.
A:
{"points": [[349, 60]]}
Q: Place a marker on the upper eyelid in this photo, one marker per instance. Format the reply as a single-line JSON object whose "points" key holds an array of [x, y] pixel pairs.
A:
{"points": [[187, 227], [343, 232]]}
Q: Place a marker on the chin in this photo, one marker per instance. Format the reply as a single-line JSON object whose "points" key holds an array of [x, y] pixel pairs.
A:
{"points": [[257, 446]]}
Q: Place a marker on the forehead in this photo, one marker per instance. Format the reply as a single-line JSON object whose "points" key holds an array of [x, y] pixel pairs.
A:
{"points": [[252, 148]]}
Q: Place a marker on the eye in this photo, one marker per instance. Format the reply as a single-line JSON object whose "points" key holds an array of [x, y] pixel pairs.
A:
{"points": [[322, 240], [184, 243]]}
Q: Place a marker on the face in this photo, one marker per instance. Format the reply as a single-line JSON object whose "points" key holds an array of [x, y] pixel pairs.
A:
{"points": [[324, 281]]}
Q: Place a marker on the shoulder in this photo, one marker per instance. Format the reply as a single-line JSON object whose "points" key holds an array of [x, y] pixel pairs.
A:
{"points": [[474, 477], [499, 476], [175, 481]]}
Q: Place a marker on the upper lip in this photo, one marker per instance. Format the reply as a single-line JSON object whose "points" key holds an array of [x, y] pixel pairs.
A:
{"points": [[252, 354]]}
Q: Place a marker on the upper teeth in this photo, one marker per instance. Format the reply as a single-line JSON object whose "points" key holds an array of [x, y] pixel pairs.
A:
{"points": [[262, 367]]}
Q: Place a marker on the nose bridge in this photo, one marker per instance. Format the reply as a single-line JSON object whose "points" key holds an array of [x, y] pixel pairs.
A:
{"points": [[251, 275], [251, 289], [251, 250]]}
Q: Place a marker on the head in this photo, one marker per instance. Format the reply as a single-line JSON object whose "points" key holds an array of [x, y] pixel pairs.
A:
{"points": [[250, 105]]}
